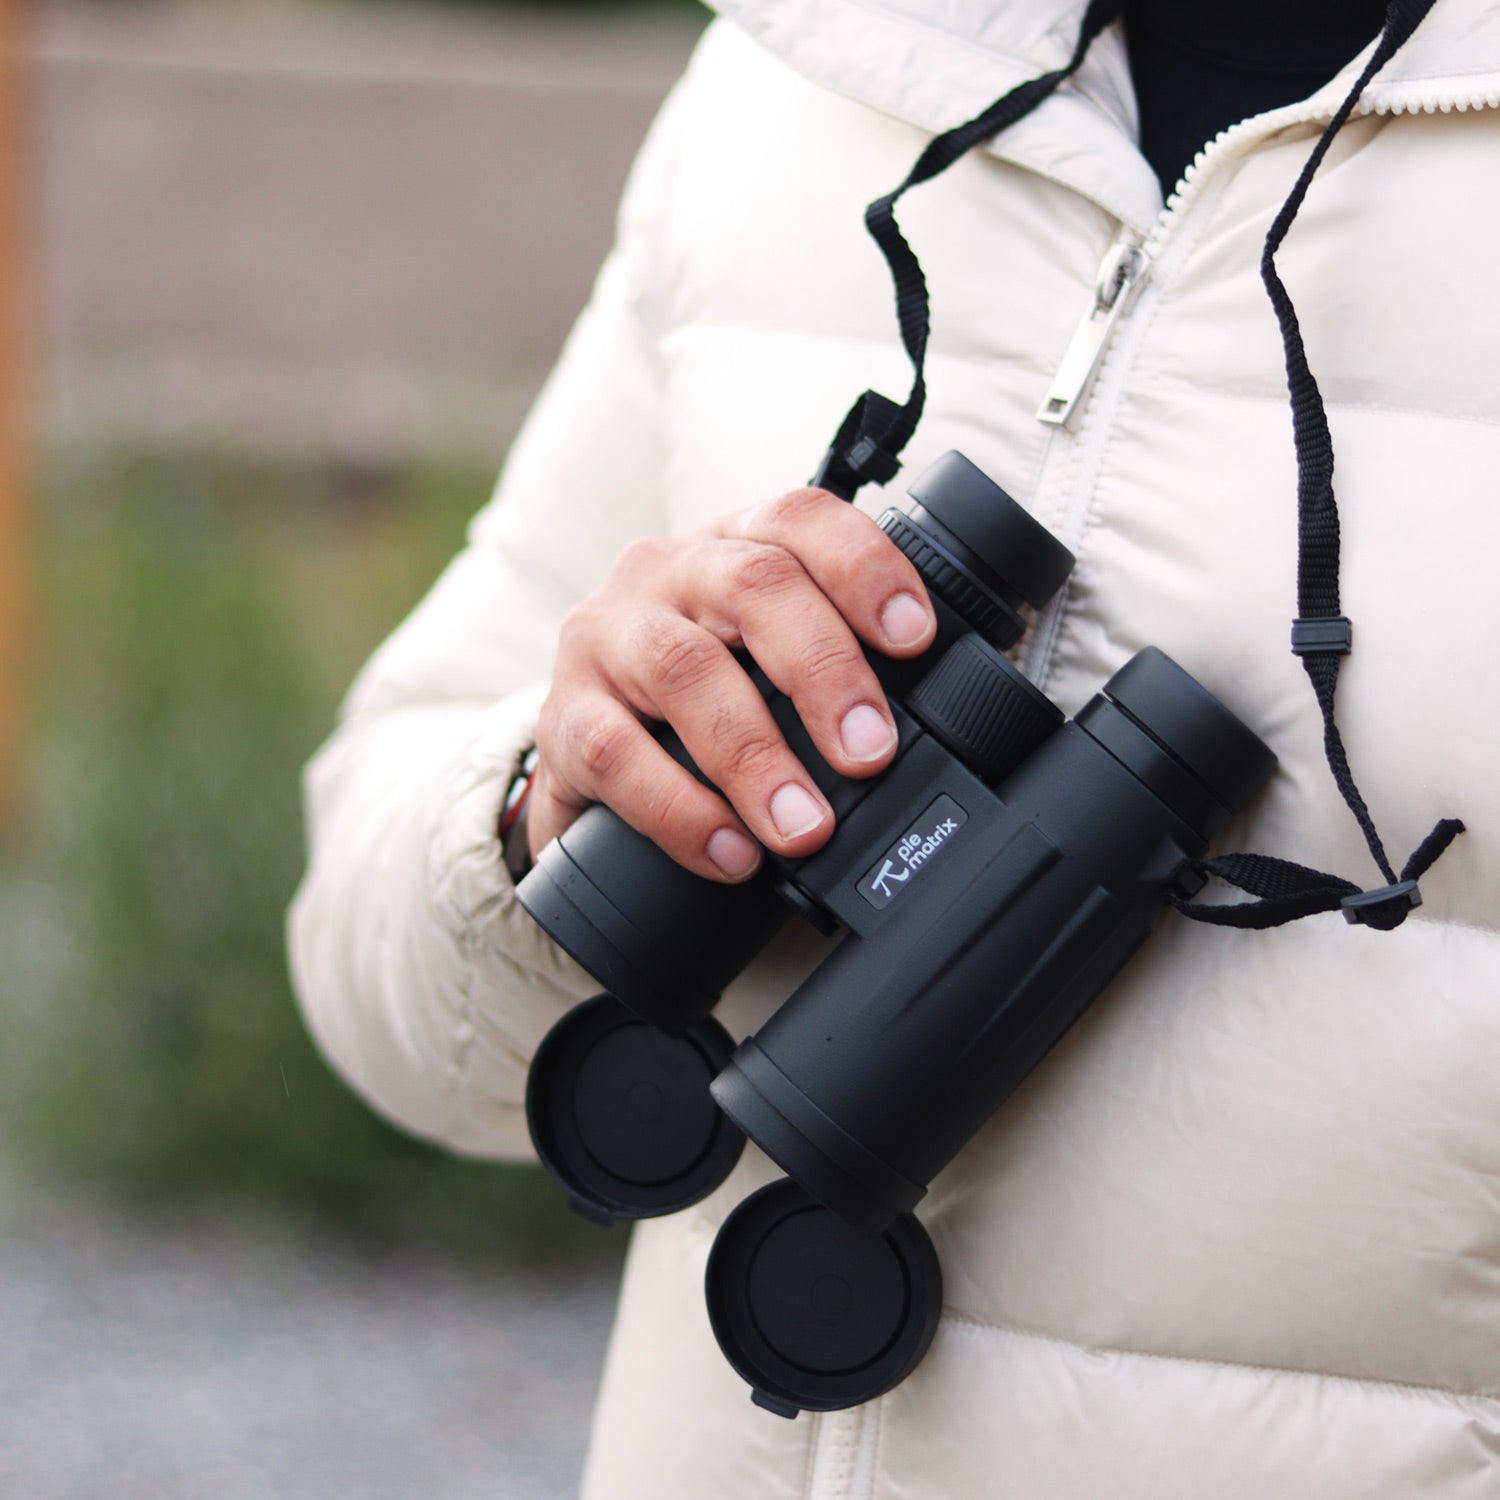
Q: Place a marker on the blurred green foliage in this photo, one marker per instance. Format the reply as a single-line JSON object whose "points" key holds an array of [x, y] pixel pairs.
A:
{"points": [[201, 619]]}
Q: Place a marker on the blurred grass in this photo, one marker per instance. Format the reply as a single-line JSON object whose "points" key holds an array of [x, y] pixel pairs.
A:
{"points": [[201, 618]]}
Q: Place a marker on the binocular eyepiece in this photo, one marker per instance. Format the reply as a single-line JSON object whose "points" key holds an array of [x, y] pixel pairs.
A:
{"points": [[989, 885]]}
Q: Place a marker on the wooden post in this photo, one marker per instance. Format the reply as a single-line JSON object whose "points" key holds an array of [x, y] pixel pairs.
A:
{"points": [[15, 557]]}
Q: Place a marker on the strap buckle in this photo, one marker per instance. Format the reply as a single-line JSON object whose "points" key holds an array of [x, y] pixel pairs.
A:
{"points": [[1335, 635], [1382, 909]]}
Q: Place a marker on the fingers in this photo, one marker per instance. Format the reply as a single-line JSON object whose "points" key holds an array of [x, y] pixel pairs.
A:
{"points": [[803, 644], [862, 572], [799, 582], [672, 668], [595, 750]]}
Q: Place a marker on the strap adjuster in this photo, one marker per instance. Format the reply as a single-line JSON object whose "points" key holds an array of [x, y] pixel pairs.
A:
{"points": [[869, 461], [1335, 635], [1382, 909], [857, 454]]}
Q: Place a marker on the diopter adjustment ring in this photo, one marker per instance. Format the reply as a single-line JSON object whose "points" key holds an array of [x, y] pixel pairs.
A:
{"points": [[996, 621], [982, 709]]}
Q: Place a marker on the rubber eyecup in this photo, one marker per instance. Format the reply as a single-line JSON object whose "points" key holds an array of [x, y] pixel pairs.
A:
{"points": [[621, 1116]]}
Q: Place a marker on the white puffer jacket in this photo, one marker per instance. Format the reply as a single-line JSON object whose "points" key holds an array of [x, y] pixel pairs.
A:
{"points": [[1239, 1236]]}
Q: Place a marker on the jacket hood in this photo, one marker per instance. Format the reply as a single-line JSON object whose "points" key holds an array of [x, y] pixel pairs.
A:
{"points": [[935, 63]]}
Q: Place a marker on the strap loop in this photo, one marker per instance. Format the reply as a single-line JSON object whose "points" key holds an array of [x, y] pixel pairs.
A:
{"points": [[856, 456], [1288, 891]]}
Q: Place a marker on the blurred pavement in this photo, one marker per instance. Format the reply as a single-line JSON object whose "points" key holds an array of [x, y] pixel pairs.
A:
{"points": [[189, 1355], [315, 230]]}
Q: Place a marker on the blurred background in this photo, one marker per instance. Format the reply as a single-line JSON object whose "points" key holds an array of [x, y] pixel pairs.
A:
{"points": [[278, 280]]}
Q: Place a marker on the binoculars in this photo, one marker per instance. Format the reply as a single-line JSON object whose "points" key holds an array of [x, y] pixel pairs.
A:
{"points": [[989, 884]]}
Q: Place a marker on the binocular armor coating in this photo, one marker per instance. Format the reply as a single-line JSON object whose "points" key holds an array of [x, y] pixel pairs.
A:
{"points": [[989, 884]]}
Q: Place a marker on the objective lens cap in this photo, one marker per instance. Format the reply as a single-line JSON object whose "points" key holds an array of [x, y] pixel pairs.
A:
{"points": [[621, 1116], [1231, 760], [814, 1314], [1014, 546]]}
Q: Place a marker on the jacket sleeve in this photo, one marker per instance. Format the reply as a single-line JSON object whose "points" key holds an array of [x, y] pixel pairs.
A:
{"points": [[421, 978]]}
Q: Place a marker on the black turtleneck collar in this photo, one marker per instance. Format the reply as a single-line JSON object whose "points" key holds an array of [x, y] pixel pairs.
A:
{"points": [[1202, 65]]}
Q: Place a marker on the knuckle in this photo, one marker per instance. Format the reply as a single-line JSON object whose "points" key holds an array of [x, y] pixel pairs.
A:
{"points": [[752, 757], [577, 624], [602, 748], [763, 570], [829, 660], [682, 661], [792, 509], [869, 563], [643, 554], [667, 813], [873, 553]]}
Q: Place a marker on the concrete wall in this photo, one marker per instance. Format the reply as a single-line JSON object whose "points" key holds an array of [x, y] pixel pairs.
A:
{"points": [[289, 229]]}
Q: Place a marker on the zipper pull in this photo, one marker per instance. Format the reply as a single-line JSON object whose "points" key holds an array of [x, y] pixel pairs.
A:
{"points": [[1123, 269]]}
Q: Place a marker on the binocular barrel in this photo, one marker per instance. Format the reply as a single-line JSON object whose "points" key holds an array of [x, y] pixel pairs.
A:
{"points": [[979, 939], [663, 941]]}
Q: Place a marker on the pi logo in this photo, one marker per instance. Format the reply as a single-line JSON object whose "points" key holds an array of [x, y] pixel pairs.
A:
{"points": [[888, 872]]}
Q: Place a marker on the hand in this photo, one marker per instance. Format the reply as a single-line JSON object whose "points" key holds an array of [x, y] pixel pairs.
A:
{"points": [[798, 583]]}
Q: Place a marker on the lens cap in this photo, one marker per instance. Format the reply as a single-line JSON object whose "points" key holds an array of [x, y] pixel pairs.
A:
{"points": [[621, 1116], [814, 1314]]}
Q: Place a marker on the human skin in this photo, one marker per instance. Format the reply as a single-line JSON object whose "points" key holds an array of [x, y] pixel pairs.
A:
{"points": [[798, 582]]}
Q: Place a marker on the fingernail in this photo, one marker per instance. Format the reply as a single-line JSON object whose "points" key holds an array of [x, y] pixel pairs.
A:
{"points": [[865, 733], [733, 853], [905, 620], [795, 811]]}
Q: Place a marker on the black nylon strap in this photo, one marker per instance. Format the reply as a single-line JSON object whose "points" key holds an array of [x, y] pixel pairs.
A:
{"points": [[870, 440], [869, 443], [1317, 511], [1321, 636]]}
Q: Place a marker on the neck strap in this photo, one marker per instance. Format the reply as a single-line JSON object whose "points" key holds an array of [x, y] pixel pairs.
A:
{"points": [[1322, 635], [868, 445]]}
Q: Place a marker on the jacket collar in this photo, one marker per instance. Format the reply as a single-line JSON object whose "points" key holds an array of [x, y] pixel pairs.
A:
{"points": [[936, 63]]}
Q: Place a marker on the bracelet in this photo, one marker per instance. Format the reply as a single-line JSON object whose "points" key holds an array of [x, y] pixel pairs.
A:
{"points": [[515, 848], [518, 792]]}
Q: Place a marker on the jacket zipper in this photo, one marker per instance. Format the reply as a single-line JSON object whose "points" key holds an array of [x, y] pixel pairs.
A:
{"points": [[843, 1454], [1125, 266], [1128, 261], [1090, 373]]}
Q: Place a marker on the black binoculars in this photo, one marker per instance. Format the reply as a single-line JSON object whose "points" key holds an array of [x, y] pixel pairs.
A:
{"points": [[989, 884]]}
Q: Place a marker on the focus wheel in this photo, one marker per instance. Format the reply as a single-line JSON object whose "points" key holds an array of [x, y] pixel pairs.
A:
{"points": [[982, 709]]}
